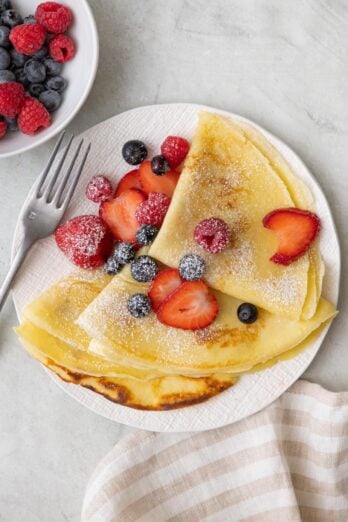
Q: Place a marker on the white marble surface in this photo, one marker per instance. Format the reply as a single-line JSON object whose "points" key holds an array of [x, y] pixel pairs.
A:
{"points": [[283, 64]]}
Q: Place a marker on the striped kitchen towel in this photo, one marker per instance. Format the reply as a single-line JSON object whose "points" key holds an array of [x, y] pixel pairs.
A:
{"points": [[287, 463]]}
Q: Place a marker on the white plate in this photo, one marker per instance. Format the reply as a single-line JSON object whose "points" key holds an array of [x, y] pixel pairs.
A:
{"points": [[46, 264], [80, 73]]}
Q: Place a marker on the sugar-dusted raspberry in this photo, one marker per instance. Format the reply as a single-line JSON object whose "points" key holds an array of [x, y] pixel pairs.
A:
{"points": [[55, 18], [28, 38], [99, 189], [33, 116], [212, 234], [62, 48], [3, 128], [153, 210], [175, 149], [12, 95]]}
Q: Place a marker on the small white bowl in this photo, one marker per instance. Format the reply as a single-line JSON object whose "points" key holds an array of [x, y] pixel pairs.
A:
{"points": [[80, 73]]}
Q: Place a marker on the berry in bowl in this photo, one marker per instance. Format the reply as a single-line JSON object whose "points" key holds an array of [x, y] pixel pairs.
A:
{"points": [[48, 62]]}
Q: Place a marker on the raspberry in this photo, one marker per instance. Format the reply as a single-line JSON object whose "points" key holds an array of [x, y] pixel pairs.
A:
{"points": [[33, 116], [28, 38], [62, 48], [212, 234], [175, 150], [85, 240], [99, 189], [3, 129], [54, 17], [12, 95], [153, 210]]}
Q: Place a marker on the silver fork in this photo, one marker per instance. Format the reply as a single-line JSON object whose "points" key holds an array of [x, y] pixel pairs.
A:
{"points": [[44, 210]]}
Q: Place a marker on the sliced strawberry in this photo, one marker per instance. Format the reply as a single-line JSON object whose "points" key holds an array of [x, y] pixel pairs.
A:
{"points": [[296, 230], [190, 307], [119, 214], [129, 181], [152, 183], [164, 284]]}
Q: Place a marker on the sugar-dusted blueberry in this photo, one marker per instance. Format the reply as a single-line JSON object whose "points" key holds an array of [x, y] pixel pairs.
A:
{"points": [[191, 267], [144, 269], [18, 59], [11, 18], [124, 253], [146, 234], [35, 89], [56, 83], [139, 305], [7, 76], [134, 152], [41, 53], [159, 165], [12, 124], [53, 68], [5, 59], [4, 36], [52, 100], [247, 313], [35, 71], [112, 266]]}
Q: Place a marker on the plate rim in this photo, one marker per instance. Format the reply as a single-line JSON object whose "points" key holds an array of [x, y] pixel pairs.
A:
{"points": [[138, 421]]}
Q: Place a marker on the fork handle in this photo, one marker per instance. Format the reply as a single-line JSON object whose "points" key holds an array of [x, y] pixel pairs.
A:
{"points": [[16, 264]]}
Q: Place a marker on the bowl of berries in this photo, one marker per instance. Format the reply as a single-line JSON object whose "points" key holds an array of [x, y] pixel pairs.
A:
{"points": [[48, 61]]}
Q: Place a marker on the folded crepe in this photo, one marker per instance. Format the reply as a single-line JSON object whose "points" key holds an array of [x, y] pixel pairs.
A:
{"points": [[232, 173]]}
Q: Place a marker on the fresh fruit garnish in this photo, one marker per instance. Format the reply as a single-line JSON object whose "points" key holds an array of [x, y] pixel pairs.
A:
{"points": [[190, 307], [212, 234], [247, 313], [129, 181], [191, 267], [151, 183], [99, 189], [62, 48], [159, 165], [28, 38], [175, 149], [144, 269], [153, 210], [296, 230], [134, 152], [164, 284], [33, 116], [51, 100], [11, 98], [146, 234], [139, 305], [112, 266], [119, 214], [3, 129], [124, 253], [85, 240], [54, 17]]}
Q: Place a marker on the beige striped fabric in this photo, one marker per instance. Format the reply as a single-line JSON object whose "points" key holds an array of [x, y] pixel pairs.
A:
{"points": [[287, 463]]}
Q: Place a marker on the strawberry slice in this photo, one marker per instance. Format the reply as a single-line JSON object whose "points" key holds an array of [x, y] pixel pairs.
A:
{"points": [[190, 307], [152, 183], [119, 214], [296, 230], [129, 181], [164, 284]]}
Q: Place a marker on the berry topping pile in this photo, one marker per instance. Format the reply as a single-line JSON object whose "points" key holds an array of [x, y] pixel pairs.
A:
{"points": [[212, 234], [32, 51]]}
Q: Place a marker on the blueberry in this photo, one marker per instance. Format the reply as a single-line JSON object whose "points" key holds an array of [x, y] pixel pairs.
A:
{"points": [[112, 266], [124, 253], [18, 59], [4, 5], [134, 152], [57, 83], [29, 20], [12, 125], [5, 59], [21, 77], [192, 267], [11, 18], [247, 313], [4, 36], [53, 68], [35, 89], [144, 269], [139, 305], [7, 76], [52, 100], [35, 71], [159, 165], [146, 234], [41, 53]]}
